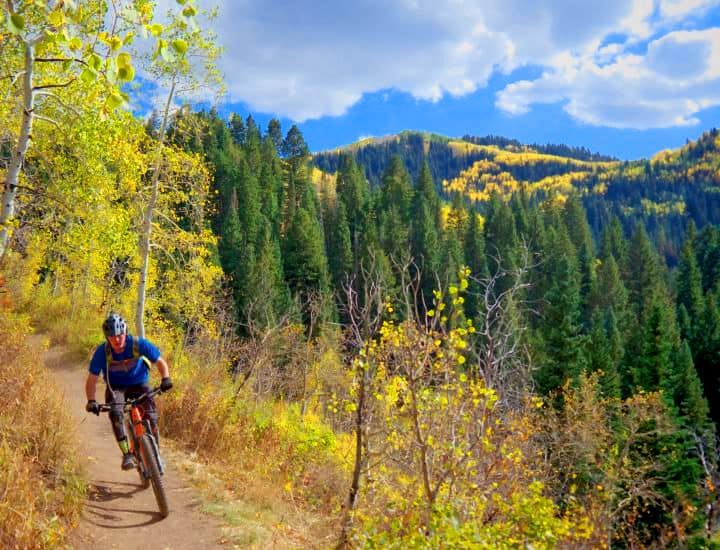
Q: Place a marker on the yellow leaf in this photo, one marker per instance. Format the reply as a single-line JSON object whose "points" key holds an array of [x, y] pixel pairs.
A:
{"points": [[56, 18], [123, 60]]}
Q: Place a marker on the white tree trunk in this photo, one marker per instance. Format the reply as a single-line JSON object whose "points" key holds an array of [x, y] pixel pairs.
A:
{"points": [[18, 158], [144, 241]]}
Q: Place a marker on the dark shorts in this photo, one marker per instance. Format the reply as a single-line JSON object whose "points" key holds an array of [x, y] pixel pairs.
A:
{"points": [[116, 398]]}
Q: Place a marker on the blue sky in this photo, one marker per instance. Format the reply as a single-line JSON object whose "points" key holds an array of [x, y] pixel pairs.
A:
{"points": [[622, 77]]}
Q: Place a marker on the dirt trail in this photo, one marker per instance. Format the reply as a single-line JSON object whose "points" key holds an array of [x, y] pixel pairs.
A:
{"points": [[118, 513]]}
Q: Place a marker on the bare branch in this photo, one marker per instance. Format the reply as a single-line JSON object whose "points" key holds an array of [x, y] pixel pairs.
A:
{"points": [[60, 101], [46, 86], [12, 82], [46, 119], [44, 194]]}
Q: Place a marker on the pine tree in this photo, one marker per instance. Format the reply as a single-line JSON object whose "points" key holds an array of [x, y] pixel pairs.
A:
{"points": [[659, 337], [707, 355], [274, 134], [609, 291], [475, 260], [601, 356], [353, 191], [267, 284], [501, 241], [689, 292], [339, 249], [563, 343], [520, 206], [237, 129], [397, 191], [577, 224], [644, 281], [424, 238], [685, 388], [271, 187], [613, 242], [249, 205], [394, 212], [304, 260], [230, 244], [708, 253], [253, 146]]}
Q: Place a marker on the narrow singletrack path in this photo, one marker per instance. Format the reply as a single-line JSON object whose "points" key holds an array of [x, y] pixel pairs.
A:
{"points": [[118, 512]]}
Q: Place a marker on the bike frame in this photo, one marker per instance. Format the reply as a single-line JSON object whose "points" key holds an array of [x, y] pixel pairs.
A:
{"points": [[140, 426], [144, 446]]}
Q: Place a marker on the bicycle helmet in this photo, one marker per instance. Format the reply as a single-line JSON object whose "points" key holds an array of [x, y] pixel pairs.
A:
{"points": [[114, 325]]}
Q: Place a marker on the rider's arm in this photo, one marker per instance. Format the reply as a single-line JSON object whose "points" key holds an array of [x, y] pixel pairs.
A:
{"points": [[162, 367], [90, 384]]}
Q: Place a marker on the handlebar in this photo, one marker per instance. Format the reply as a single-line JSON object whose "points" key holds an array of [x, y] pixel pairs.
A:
{"points": [[106, 407]]}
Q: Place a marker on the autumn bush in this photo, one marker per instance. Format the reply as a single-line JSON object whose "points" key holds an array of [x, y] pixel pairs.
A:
{"points": [[449, 465], [40, 476], [257, 435]]}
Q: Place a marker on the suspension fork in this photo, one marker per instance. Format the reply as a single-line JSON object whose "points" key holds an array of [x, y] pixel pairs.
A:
{"points": [[137, 420]]}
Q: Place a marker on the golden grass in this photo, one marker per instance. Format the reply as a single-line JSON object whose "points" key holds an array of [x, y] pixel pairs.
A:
{"points": [[41, 488]]}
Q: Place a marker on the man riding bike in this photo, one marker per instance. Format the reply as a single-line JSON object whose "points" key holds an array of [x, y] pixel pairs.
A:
{"points": [[123, 361]]}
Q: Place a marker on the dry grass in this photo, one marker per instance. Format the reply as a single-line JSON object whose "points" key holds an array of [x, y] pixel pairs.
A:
{"points": [[279, 477], [41, 490], [257, 517]]}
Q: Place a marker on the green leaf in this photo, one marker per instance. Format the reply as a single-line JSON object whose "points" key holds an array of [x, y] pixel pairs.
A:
{"points": [[75, 44], [16, 23], [126, 74], [95, 62], [167, 55], [181, 2], [111, 73], [114, 100], [180, 46], [88, 75], [189, 11]]}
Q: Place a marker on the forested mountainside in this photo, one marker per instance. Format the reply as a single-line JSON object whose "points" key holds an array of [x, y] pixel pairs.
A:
{"points": [[605, 274], [662, 192], [447, 157]]}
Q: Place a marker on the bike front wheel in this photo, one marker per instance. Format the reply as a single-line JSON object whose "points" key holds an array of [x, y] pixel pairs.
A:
{"points": [[152, 467], [144, 480]]}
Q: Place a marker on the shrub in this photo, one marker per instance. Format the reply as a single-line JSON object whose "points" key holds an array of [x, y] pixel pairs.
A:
{"points": [[39, 471]]}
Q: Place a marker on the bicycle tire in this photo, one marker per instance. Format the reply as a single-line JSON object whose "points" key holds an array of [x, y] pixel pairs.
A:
{"points": [[144, 480], [153, 468]]}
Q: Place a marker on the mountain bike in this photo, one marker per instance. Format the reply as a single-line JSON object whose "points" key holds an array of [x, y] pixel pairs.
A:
{"points": [[144, 447]]}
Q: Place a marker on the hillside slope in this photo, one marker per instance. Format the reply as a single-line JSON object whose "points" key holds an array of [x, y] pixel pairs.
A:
{"points": [[663, 192]]}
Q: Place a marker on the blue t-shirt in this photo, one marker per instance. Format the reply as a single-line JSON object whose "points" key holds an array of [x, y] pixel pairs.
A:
{"points": [[124, 370]]}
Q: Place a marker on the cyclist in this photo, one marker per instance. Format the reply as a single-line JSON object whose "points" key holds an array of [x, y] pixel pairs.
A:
{"points": [[123, 361]]}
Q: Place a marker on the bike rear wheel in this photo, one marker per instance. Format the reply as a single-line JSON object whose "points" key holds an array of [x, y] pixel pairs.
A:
{"points": [[152, 467]]}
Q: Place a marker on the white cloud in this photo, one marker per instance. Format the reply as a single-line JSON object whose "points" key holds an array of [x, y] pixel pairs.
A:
{"points": [[310, 58], [305, 59], [678, 9], [678, 77]]}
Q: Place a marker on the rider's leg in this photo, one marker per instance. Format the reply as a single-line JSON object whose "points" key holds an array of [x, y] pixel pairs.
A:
{"points": [[117, 400]]}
